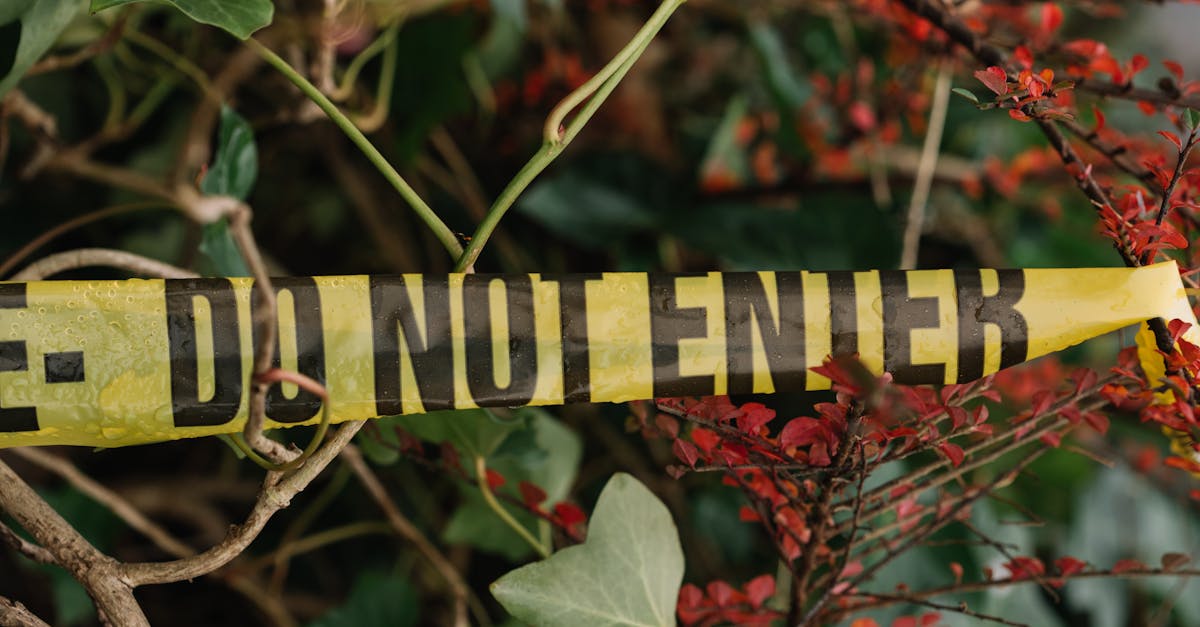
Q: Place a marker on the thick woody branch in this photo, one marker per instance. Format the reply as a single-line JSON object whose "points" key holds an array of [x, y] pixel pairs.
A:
{"points": [[95, 570]]}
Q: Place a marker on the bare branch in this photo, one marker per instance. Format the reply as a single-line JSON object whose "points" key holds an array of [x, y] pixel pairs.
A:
{"points": [[100, 257]]}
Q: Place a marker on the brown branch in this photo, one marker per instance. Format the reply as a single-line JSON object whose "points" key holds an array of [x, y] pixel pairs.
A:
{"points": [[1115, 154], [276, 494], [1129, 92], [100, 257], [96, 48], [25, 547], [961, 608], [106, 497], [74, 223], [976, 586], [96, 571], [17, 615], [264, 348], [407, 530]]}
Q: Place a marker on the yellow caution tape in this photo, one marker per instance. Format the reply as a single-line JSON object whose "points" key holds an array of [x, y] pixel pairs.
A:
{"points": [[115, 363]]}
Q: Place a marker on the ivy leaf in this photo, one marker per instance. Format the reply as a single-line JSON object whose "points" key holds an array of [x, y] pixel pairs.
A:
{"points": [[376, 600], [233, 172], [472, 431], [628, 571], [239, 18], [27, 30], [235, 166]]}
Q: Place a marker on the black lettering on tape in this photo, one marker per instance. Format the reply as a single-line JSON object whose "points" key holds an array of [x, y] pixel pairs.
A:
{"points": [[521, 340], [429, 349], [14, 358], [188, 409], [746, 304], [975, 311], [670, 323], [572, 313], [843, 314], [901, 314], [310, 351]]}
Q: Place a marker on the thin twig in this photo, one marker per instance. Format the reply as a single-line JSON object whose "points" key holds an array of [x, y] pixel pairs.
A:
{"points": [[69, 225], [926, 167], [100, 257], [422, 209], [277, 493], [407, 530], [25, 547], [109, 499]]}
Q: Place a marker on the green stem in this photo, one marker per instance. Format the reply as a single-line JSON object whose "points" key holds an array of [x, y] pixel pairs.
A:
{"points": [[486, 491], [356, 64], [423, 210], [591, 95]]}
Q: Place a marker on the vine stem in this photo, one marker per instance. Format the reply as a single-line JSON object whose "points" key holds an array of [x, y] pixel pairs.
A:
{"points": [[422, 209], [486, 491], [591, 95]]}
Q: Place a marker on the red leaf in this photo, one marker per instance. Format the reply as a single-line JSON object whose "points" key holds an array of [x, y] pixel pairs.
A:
{"points": [[1018, 115], [1175, 561], [994, 78], [1025, 568], [1173, 138], [958, 416], [1052, 438], [747, 514], [1022, 55], [1097, 421], [1175, 69], [1183, 464], [531, 494], [800, 432], [686, 451], [1138, 63], [751, 416], [721, 592], [1041, 402], [1068, 565], [667, 424], [1123, 566], [929, 619], [1100, 120], [957, 569], [706, 439], [864, 622], [759, 589], [905, 621], [569, 514], [1052, 17], [1147, 108], [494, 479], [952, 451], [862, 117], [818, 455]]}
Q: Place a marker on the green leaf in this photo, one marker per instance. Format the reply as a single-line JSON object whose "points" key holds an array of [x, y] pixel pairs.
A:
{"points": [[628, 572], [547, 454], [27, 30], [966, 93], [235, 165], [588, 212], [377, 600], [1192, 117], [786, 86], [233, 172], [472, 431], [239, 17]]}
